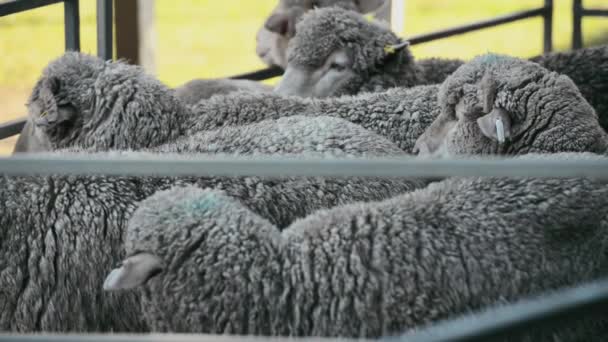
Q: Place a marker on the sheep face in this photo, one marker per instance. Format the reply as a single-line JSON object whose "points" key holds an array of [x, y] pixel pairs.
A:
{"points": [[337, 52], [273, 37], [504, 105], [333, 77], [52, 117]]}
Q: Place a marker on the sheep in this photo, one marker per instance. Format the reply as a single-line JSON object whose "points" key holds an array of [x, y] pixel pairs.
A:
{"points": [[208, 264], [337, 52], [288, 135], [588, 68], [498, 104], [108, 100], [47, 215], [58, 234], [273, 37], [199, 89], [399, 114]]}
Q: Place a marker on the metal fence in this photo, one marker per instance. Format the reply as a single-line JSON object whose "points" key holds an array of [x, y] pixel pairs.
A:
{"points": [[578, 12], [533, 313]]}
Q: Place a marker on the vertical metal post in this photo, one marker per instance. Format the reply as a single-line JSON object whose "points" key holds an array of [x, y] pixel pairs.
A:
{"points": [[548, 26], [127, 31], [577, 30], [71, 20], [105, 29]]}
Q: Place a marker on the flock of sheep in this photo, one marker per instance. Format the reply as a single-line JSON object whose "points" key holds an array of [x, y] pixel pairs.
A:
{"points": [[306, 256]]}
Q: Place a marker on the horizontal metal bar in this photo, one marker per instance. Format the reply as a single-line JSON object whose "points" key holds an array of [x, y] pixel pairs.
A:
{"points": [[427, 37], [10, 128], [560, 307], [16, 6], [180, 165], [260, 75], [588, 12], [156, 338]]}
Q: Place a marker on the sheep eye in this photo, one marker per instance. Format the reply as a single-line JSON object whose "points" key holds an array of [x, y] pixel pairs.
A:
{"points": [[43, 114], [337, 67]]}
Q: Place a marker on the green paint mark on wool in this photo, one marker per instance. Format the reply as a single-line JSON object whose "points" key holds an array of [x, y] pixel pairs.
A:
{"points": [[490, 58], [204, 203]]}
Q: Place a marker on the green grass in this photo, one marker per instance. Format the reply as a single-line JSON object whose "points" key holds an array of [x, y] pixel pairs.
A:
{"points": [[210, 38]]}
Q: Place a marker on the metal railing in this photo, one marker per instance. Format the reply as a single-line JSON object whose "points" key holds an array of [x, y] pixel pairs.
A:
{"points": [[515, 318], [578, 12]]}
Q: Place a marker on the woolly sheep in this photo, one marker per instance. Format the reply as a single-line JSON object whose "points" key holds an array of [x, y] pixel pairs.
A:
{"points": [[498, 104], [59, 234], [272, 38], [78, 92], [210, 265], [193, 91], [338, 52], [399, 114], [588, 68]]}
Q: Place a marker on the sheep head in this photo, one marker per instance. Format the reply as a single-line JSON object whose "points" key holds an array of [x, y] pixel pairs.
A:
{"points": [[504, 105], [338, 52], [273, 37], [81, 100]]}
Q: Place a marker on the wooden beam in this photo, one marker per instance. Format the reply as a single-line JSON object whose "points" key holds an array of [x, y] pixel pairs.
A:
{"points": [[135, 32]]}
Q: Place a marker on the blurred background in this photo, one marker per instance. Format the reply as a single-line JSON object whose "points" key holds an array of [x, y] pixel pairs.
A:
{"points": [[210, 38]]}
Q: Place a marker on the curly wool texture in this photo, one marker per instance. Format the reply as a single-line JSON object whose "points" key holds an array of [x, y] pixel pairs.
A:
{"points": [[200, 89], [294, 134], [545, 110], [366, 269], [115, 105], [588, 68], [402, 115], [59, 235], [399, 114], [323, 31]]}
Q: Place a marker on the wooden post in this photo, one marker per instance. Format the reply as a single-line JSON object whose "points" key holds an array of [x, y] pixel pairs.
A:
{"points": [[135, 32]]}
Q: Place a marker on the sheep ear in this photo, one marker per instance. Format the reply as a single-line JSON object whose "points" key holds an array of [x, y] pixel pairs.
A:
{"points": [[366, 6], [496, 125], [278, 23], [134, 272]]}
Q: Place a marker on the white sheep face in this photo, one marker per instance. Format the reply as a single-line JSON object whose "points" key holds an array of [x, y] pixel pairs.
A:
{"points": [[323, 81]]}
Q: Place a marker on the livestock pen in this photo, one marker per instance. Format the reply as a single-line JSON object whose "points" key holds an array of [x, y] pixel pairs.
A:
{"points": [[561, 307]]}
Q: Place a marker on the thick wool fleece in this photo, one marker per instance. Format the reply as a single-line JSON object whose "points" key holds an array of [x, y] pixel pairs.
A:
{"points": [[200, 89], [367, 269], [115, 104], [588, 68], [399, 114], [542, 111], [323, 31], [59, 235], [289, 135]]}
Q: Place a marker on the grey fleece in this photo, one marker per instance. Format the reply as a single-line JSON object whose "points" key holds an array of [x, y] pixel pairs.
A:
{"points": [[200, 89], [588, 68], [324, 31], [366, 269], [60, 234], [116, 104], [543, 111], [400, 114]]}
